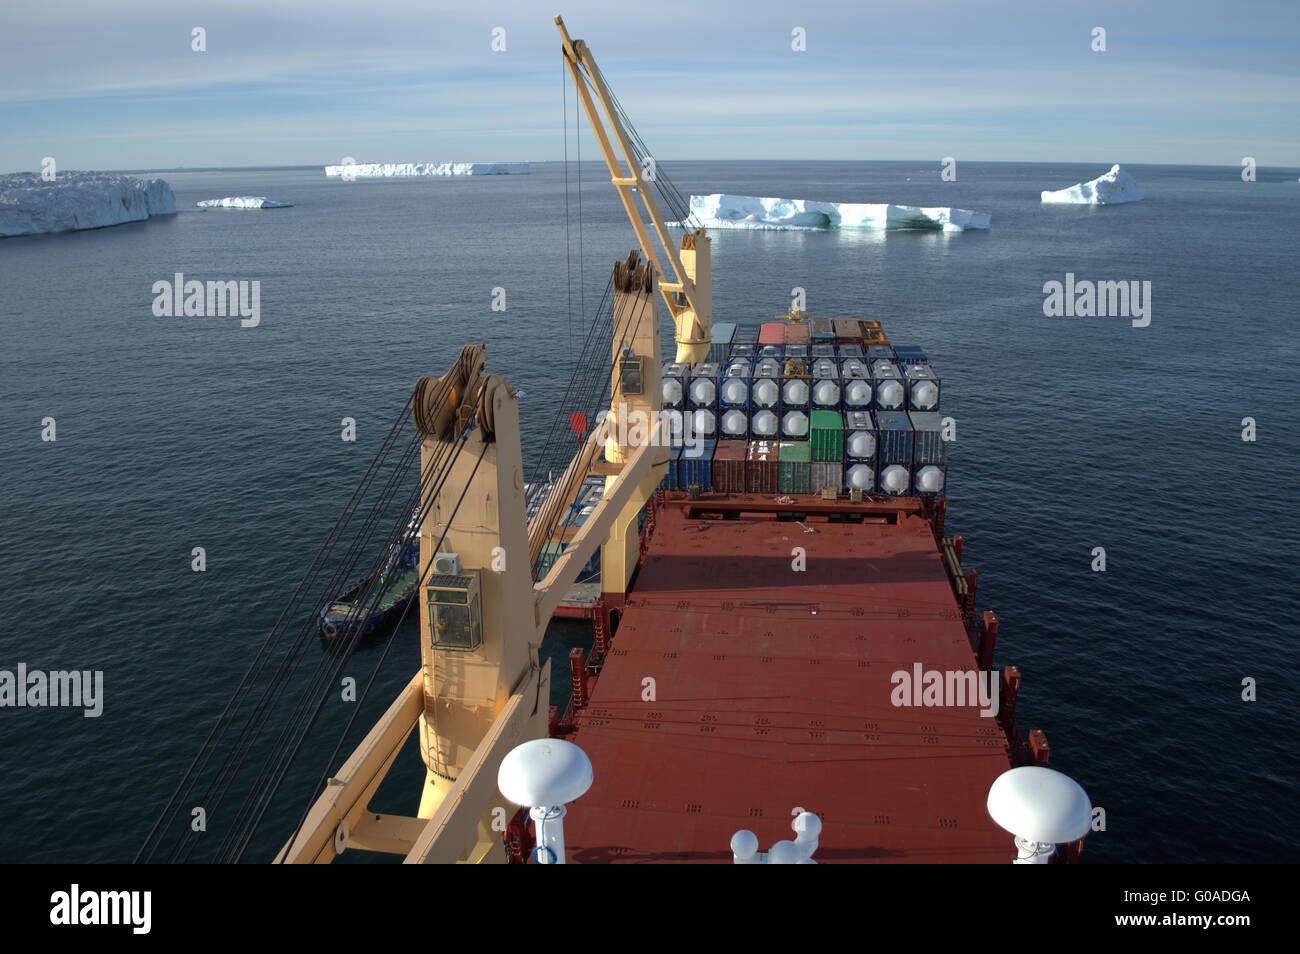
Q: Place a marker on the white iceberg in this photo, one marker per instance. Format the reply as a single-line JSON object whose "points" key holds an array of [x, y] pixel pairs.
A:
{"points": [[244, 202], [719, 211], [370, 170], [78, 200], [1114, 187]]}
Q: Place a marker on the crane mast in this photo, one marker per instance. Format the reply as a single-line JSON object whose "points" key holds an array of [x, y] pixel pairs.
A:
{"points": [[685, 279]]}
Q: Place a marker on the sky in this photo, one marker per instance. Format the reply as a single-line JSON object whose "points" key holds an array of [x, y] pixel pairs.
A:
{"points": [[100, 85]]}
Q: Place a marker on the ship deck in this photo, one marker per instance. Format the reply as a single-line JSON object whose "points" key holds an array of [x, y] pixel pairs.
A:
{"points": [[773, 694]]}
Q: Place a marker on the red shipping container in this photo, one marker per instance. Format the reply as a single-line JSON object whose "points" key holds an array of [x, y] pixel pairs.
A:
{"points": [[796, 333], [761, 471], [772, 333], [729, 467]]}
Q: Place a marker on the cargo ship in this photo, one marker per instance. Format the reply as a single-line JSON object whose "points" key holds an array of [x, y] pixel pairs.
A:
{"points": [[786, 645]]}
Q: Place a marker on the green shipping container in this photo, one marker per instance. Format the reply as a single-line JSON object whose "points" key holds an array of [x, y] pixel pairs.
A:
{"points": [[794, 475], [826, 430]]}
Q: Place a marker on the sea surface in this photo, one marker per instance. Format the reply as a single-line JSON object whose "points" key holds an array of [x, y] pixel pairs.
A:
{"points": [[1073, 433]]}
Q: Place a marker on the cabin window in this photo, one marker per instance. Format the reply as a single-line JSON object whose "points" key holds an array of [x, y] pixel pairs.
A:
{"points": [[455, 622]]}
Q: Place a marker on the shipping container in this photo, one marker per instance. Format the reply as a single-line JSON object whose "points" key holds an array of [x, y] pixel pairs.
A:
{"points": [[745, 335], [695, 465], [928, 446], [720, 340], [797, 351], [795, 392], [910, 354], [774, 351], [894, 434], [827, 435], [767, 368], [875, 352], [822, 351], [922, 388], [929, 479], [733, 424], [822, 330], [890, 388], [847, 331], [764, 423], [796, 333], [825, 368], [733, 389], [850, 351], [857, 394], [673, 385], [772, 333], [860, 475], [793, 473], [700, 424], [703, 390], [826, 394], [761, 468], [895, 480], [674, 459], [873, 333], [860, 437], [671, 425], [765, 392], [729, 467], [794, 424], [742, 352], [826, 474]]}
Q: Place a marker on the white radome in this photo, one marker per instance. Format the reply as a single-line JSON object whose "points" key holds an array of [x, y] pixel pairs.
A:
{"points": [[1041, 804]]}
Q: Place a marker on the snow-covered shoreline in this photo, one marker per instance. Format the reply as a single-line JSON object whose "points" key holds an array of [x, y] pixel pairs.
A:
{"points": [[78, 200], [244, 202], [720, 211]]}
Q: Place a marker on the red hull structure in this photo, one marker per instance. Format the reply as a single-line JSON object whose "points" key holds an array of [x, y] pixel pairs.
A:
{"points": [[772, 689]]}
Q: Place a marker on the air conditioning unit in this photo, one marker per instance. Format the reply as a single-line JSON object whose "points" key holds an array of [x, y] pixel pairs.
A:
{"points": [[446, 564]]}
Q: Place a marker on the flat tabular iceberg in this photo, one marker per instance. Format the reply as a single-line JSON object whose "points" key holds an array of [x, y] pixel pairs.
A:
{"points": [[78, 200], [1114, 187], [720, 211], [244, 202], [367, 170]]}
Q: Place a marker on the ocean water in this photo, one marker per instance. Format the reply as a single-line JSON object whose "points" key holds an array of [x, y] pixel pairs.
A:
{"points": [[1073, 433]]}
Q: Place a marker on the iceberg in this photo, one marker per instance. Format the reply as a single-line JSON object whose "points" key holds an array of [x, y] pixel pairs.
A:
{"points": [[720, 211], [370, 170], [244, 202], [1114, 187], [78, 200]]}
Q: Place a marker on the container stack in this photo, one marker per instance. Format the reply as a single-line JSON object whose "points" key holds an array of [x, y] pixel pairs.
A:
{"points": [[797, 407]]}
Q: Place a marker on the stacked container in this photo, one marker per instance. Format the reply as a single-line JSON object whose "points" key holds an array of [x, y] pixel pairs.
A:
{"points": [[827, 436], [825, 384], [695, 465], [857, 392], [929, 452], [890, 388], [910, 354], [873, 333], [720, 341], [795, 398], [670, 477], [761, 468], [745, 336], [797, 333], [922, 388], [894, 430], [793, 473], [772, 333], [850, 351], [860, 446], [674, 383], [847, 331], [822, 351], [822, 331], [729, 467], [878, 352], [702, 399]]}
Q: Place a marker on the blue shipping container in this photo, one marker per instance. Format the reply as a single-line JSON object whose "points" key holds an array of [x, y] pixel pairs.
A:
{"points": [[695, 466], [895, 434]]}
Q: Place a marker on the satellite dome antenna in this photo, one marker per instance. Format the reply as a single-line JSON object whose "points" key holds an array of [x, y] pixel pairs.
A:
{"points": [[807, 828], [542, 776], [1042, 807]]}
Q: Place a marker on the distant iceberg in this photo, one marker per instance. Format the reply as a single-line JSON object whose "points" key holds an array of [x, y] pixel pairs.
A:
{"points": [[1114, 187], [244, 202], [720, 211], [369, 170], [78, 200]]}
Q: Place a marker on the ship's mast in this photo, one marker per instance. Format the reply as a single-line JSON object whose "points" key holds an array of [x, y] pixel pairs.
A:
{"points": [[689, 293]]}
